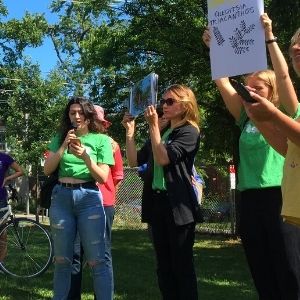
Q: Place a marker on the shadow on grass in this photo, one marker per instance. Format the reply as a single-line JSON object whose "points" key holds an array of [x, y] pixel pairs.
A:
{"points": [[221, 268], [220, 265]]}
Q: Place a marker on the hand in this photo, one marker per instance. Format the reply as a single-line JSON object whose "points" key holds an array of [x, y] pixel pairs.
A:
{"points": [[262, 110], [70, 135], [129, 124], [151, 115], [77, 150], [267, 25], [206, 37], [193, 179]]}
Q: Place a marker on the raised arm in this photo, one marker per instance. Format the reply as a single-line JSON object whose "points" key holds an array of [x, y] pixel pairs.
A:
{"points": [[232, 100], [230, 97], [283, 126], [273, 136], [18, 171], [159, 150], [286, 91], [131, 152]]}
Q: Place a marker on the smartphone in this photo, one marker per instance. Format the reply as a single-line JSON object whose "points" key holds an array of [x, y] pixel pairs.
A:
{"points": [[242, 91], [75, 141]]}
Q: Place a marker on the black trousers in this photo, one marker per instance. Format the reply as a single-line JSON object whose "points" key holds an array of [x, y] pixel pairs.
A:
{"points": [[265, 240], [174, 253]]}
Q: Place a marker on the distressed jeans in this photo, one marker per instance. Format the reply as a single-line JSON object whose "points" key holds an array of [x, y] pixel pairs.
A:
{"points": [[71, 210], [75, 290]]}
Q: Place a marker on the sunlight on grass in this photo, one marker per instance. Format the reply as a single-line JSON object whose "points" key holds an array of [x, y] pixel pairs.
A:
{"points": [[216, 242], [223, 282], [221, 269]]}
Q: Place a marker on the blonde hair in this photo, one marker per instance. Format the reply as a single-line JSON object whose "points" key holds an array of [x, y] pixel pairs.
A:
{"points": [[269, 78], [187, 97], [294, 40]]}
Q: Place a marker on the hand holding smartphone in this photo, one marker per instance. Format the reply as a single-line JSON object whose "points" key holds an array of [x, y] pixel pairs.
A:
{"points": [[242, 91], [75, 141]]}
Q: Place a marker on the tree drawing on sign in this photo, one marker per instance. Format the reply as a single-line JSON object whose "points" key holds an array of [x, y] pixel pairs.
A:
{"points": [[218, 36], [238, 41]]}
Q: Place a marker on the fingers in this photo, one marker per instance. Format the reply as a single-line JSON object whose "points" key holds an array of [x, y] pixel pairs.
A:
{"points": [[250, 89], [266, 22], [127, 118], [206, 37], [76, 150], [151, 115], [150, 111], [70, 135], [258, 98]]}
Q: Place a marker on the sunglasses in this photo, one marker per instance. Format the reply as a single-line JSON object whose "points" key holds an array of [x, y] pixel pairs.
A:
{"points": [[168, 101]]}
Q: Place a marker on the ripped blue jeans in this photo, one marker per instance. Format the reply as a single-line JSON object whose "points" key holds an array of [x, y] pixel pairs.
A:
{"points": [[71, 210]]}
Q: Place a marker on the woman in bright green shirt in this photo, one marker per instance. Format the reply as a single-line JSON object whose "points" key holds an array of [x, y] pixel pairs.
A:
{"points": [[262, 230], [82, 156]]}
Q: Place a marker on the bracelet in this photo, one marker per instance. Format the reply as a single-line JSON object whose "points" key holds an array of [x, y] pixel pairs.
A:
{"points": [[274, 40]]}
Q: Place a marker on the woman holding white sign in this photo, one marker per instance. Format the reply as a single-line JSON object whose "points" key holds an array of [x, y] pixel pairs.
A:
{"points": [[286, 91], [259, 180]]}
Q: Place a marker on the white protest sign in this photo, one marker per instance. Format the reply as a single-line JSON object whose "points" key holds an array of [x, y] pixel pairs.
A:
{"points": [[237, 37]]}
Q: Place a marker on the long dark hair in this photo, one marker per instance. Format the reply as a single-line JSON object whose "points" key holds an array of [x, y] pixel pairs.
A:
{"points": [[89, 114]]}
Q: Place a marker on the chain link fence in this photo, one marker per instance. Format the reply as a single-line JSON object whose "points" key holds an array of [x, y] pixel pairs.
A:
{"points": [[129, 200], [218, 212]]}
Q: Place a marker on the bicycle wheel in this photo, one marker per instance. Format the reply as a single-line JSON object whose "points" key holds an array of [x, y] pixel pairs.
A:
{"points": [[26, 248]]}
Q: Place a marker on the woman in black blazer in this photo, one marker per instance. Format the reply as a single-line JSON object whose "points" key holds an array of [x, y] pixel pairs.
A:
{"points": [[169, 202]]}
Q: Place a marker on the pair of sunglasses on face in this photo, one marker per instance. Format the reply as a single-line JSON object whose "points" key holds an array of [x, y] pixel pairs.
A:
{"points": [[168, 101]]}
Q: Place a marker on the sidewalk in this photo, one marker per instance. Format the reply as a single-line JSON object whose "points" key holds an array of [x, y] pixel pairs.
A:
{"points": [[41, 218]]}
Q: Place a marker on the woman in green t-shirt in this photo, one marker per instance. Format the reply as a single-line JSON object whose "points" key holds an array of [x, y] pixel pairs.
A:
{"points": [[262, 230], [283, 135], [82, 157]]}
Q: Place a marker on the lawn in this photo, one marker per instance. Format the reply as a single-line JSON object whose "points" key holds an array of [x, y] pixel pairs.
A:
{"points": [[221, 270]]}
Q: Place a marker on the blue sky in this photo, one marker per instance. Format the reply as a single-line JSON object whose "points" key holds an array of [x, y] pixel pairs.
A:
{"points": [[45, 55]]}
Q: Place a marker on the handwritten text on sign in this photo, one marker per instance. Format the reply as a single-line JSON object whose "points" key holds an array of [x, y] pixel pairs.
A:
{"points": [[237, 45]]}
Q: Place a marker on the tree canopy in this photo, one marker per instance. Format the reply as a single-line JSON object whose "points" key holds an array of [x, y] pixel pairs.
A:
{"points": [[104, 46]]}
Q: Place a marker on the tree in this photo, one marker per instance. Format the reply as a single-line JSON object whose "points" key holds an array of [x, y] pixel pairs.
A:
{"points": [[104, 46], [30, 107], [33, 109], [165, 36], [135, 39]]}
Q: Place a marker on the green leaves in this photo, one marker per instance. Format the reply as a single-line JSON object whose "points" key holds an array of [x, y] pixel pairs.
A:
{"points": [[104, 46]]}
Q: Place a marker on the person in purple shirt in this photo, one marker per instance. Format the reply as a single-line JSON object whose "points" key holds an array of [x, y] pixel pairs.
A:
{"points": [[6, 163]]}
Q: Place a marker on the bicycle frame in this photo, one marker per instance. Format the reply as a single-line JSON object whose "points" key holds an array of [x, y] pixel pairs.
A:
{"points": [[6, 215], [5, 218], [18, 236]]}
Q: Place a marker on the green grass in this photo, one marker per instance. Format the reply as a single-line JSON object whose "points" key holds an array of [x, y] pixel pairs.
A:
{"points": [[220, 265]]}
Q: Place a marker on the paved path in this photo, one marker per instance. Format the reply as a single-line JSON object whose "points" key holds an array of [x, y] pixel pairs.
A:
{"points": [[42, 219]]}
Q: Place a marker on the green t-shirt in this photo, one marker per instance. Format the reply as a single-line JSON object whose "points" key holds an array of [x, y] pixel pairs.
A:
{"points": [[159, 182], [98, 147], [260, 165]]}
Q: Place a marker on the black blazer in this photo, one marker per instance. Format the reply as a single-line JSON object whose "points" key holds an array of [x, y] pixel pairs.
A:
{"points": [[182, 146]]}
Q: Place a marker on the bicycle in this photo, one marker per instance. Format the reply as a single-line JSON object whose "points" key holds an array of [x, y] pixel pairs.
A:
{"points": [[25, 246]]}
